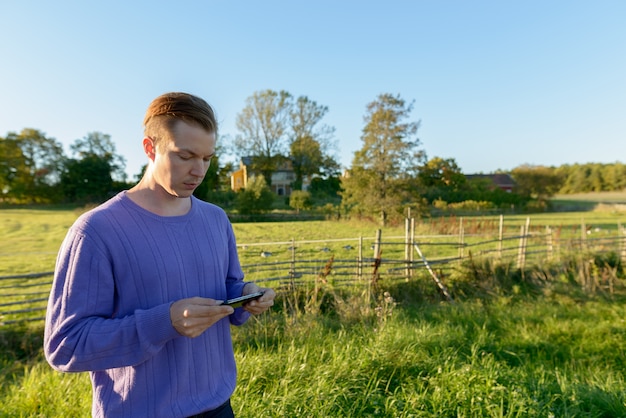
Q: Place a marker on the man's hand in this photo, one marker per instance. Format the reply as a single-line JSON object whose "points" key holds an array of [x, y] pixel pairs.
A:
{"points": [[191, 317], [262, 304]]}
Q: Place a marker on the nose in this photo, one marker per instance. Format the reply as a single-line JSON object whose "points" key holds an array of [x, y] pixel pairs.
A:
{"points": [[199, 168]]}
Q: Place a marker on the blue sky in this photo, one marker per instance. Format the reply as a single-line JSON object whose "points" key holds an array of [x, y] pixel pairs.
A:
{"points": [[496, 84]]}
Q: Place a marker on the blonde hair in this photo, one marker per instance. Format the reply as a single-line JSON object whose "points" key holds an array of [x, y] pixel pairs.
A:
{"points": [[166, 110]]}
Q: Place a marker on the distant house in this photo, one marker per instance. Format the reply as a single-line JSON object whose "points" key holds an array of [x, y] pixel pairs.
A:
{"points": [[282, 178], [500, 180]]}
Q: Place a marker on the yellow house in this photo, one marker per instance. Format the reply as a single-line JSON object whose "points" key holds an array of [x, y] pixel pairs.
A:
{"points": [[239, 178], [282, 178]]}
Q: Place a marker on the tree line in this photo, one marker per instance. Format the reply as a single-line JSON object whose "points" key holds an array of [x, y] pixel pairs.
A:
{"points": [[389, 173]]}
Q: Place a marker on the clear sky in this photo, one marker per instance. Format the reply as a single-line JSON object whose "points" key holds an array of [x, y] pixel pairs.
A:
{"points": [[496, 84]]}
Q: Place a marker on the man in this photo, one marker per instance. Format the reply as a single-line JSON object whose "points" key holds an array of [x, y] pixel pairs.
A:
{"points": [[140, 280]]}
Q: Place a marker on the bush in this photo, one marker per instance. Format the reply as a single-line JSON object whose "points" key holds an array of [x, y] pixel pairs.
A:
{"points": [[300, 200], [256, 198]]}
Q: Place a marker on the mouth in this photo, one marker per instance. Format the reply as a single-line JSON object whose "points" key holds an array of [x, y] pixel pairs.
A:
{"points": [[191, 185]]}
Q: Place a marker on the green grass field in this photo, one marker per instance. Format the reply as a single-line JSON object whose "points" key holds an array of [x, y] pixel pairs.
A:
{"points": [[500, 351]]}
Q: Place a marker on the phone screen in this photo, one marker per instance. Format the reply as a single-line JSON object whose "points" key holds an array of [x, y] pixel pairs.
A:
{"points": [[237, 302]]}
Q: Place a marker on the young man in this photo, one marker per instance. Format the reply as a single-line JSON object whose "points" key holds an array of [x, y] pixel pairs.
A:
{"points": [[139, 283]]}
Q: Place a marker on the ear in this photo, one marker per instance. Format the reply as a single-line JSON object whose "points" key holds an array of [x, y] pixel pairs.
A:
{"points": [[149, 148]]}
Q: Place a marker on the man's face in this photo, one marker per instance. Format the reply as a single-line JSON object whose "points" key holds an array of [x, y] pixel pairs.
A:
{"points": [[181, 162]]}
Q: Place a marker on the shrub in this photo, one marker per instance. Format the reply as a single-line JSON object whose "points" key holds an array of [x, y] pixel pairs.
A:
{"points": [[300, 200], [255, 198]]}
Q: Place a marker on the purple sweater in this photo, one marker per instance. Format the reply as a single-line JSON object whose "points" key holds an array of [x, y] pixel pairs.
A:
{"points": [[118, 271]]}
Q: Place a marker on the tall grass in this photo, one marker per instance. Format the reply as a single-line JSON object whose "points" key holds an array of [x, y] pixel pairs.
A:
{"points": [[539, 357], [502, 354]]}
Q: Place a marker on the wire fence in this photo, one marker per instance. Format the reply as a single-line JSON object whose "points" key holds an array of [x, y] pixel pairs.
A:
{"points": [[354, 261]]}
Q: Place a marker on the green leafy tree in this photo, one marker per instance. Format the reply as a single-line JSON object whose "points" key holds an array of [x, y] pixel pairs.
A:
{"points": [[90, 176], [12, 166], [263, 126], [596, 178], [255, 198], [87, 180], [441, 179], [442, 174], [580, 178], [100, 145], [538, 182], [592, 177], [32, 166], [311, 142], [306, 158], [300, 200], [378, 180], [325, 188], [615, 176]]}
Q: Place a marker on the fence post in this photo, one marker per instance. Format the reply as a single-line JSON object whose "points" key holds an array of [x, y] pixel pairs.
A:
{"points": [[292, 271], [412, 241], [521, 256], [520, 249], [407, 245], [379, 234], [549, 243], [461, 239], [622, 241], [359, 263], [500, 236], [583, 235], [377, 252]]}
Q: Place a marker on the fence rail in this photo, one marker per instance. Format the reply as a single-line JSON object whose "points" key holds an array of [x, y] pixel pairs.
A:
{"points": [[23, 297]]}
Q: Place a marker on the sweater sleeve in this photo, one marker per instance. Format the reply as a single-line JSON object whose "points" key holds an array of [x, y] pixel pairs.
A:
{"points": [[234, 279], [82, 331]]}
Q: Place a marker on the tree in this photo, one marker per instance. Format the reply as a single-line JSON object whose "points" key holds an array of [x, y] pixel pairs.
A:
{"points": [[90, 175], [34, 165], [615, 176], [12, 166], [537, 181], [325, 188], [100, 145], [442, 174], [256, 198], [300, 199], [263, 124], [378, 179], [442, 180], [87, 180], [310, 142]]}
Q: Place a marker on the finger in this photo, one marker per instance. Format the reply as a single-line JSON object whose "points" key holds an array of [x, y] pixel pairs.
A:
{"points": [[205, 301], [194, 325], [256, 307], [207, 311], [212, 310], [260, 302]]}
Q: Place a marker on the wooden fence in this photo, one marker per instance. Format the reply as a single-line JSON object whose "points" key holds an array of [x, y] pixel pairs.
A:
{"points": [[353, 261]]}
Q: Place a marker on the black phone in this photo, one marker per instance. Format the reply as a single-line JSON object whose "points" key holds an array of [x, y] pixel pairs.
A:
{"points": [[237, 302]]}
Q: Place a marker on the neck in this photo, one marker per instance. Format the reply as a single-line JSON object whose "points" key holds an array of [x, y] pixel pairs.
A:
{"points": [[155, 199]]}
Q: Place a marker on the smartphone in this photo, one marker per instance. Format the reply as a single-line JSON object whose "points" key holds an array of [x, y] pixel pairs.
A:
{"points": [[237, 302]]}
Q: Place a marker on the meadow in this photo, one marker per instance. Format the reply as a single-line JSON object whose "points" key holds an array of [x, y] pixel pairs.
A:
{"points": [[533, 343]]}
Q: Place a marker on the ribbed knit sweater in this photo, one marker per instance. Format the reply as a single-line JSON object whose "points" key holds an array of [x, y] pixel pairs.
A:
{"points": [[118, 271]]}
